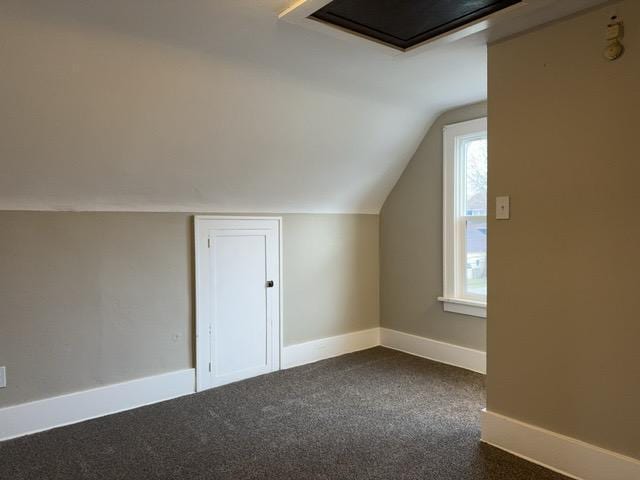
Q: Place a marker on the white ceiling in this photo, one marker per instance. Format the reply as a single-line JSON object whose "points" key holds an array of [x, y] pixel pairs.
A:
{"points": [[210, 105]]}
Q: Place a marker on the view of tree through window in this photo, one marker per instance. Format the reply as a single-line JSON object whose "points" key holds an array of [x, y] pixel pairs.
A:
{"points": [[475, 215]]}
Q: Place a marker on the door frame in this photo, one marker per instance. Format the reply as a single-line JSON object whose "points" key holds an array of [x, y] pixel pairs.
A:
{"points": [[201, 326]]}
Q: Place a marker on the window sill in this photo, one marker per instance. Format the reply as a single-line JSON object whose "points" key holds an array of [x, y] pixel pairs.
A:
{"points": [[464, 307]]}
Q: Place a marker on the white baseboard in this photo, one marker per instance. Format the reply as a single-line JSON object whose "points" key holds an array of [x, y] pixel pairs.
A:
{"points": [[315, 350], [32, 417], [442, 352], [309, 352], [566, 455]]}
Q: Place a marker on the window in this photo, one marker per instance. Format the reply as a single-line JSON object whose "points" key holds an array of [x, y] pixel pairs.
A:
{"points": [[465, 218]]}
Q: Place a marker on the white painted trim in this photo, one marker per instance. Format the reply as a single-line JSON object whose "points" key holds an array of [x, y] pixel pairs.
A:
{"points": [[436, 350], [237, 217], [453, 219], [465, 307], [203, 375], [32, 417], [566, 455], [40, 415], [298, 13], [315, 350]]}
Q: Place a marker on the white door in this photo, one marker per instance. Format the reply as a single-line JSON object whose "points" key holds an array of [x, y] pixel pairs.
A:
{"points": [[238, 298]]}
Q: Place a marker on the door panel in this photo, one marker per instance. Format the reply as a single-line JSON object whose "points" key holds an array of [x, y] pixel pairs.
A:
{"points": [[237, 312], [240, 329]]}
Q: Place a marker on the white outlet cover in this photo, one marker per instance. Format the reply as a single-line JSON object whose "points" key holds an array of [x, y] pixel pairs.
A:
{"points": [[3, 377]]}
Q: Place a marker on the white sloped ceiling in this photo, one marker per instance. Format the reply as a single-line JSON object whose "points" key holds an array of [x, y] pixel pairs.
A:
{"points": [[167, 105]]}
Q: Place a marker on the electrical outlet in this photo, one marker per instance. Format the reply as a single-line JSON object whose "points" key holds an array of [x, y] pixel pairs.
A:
{"points": [[3, 377]]}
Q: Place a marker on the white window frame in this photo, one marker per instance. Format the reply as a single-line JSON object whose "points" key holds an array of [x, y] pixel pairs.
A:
{"points": [[454, 298]]}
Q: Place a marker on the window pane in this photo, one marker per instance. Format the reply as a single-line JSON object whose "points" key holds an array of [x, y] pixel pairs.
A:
{"points": [[476, 261], [475, 165]]}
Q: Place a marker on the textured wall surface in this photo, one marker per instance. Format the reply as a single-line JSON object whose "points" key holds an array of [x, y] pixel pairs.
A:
{"points": [[89, 299], [411, 247], [331, 273], [563, 301]]}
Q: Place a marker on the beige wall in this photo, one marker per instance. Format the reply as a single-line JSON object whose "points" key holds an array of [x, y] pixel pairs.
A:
{"points": [[330, 275], [411, 247], [563, 330], [89, 299]]}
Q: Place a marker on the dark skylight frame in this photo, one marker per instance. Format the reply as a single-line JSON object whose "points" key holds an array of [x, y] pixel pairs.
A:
{"points": [[404, 24]]}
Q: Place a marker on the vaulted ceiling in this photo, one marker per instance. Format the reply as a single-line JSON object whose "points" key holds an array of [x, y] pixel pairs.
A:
{"points": [[210, 105]]}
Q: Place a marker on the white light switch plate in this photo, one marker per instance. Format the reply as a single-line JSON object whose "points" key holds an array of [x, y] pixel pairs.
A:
{"points": [[502, 208], [3, 377]]}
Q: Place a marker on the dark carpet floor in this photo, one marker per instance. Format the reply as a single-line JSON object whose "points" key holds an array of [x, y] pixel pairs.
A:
{"points": [[375, 414]]}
